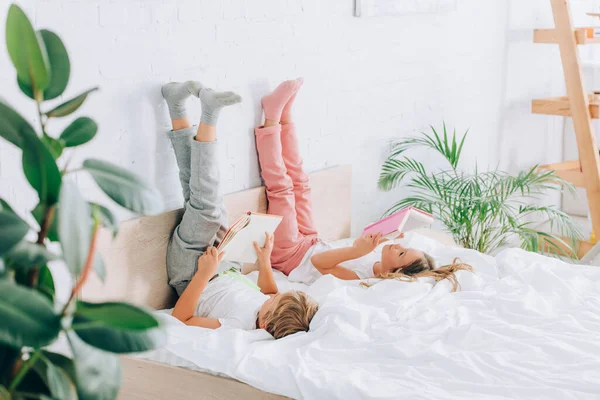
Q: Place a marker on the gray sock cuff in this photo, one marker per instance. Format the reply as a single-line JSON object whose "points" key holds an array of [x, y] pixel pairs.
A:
{"points": [[176, 94], [177, 112], [210, 116]]}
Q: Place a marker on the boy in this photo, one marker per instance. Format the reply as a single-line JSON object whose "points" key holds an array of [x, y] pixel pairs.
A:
{"points": [[212, 292]]}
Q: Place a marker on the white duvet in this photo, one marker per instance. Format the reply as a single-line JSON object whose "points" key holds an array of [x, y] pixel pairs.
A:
{"points": [[523, 326]]}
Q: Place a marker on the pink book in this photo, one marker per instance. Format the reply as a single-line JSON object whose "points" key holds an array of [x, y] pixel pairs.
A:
{"points": [[404, 220]]}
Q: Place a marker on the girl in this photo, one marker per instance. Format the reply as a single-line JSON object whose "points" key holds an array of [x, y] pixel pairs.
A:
{"points": [[298, 252], [212, 292]]}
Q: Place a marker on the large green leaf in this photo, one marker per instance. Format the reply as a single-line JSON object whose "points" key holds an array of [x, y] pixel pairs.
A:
{"points": [[12, 230], [124, 187], [56, 379], [81, 131], [70, 106], [13, 127], [27, 255], [28, 318], [74, 227], [60, 65], [117, 327], [38, 213], [41, 171], [97, 373], [27, 50]]}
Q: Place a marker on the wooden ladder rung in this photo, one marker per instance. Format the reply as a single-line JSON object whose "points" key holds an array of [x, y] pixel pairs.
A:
{"points": [[560, 106], [570, 171], [550, 36]]}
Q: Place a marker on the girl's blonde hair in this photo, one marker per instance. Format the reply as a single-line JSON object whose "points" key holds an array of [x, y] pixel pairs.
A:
{"points": [[425, 267]]}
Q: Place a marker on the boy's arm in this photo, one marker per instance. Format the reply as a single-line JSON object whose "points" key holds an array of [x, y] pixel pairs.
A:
{"points": [[186, 305], [328, 262], [266, 280]]}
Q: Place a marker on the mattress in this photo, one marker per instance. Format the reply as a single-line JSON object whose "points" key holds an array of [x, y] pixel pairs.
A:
{"points": [[522, 326]]}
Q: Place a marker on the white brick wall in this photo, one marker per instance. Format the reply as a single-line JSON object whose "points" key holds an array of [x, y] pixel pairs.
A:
{"points": [[367, 81]]}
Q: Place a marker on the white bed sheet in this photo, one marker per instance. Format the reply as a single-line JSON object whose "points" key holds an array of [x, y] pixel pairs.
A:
{"points": [[523, 326]]}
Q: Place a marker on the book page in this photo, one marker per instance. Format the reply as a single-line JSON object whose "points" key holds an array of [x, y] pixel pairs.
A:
{"points": [[240, 248], [414, 220]]}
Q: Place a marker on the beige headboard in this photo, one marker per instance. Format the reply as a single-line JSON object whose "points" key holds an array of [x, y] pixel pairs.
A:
{"points": [[135, 259]]}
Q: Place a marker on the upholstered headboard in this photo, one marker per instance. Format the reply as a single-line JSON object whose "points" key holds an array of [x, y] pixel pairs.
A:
{"points": [[135, 259]]}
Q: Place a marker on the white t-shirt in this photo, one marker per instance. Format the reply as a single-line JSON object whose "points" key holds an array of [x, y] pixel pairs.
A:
{"points": [[306, 272], [232, 302]]}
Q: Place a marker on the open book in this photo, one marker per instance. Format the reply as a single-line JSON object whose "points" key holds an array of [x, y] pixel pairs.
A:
{"points": [[251, 227], [405, 220]]}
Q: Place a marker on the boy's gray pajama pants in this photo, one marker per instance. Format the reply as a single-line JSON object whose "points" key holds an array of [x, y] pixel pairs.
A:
{"points": [[204, 221]]}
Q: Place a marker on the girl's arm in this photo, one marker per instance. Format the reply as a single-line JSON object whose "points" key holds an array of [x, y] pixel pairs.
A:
{"points": [[266, 281], [210, 323], [186, 305], [328, 262]]}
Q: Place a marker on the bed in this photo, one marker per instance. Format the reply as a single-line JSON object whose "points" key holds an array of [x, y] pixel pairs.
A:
{"points": [[136, 272], [523, 325]]}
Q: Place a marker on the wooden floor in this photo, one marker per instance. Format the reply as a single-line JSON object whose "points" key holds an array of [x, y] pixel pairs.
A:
{"points": [[147, 380]]}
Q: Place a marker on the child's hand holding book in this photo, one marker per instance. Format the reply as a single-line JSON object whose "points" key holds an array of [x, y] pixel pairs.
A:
{"points": [[238, 241], [208, 263], [366, 244], [264, 253]]}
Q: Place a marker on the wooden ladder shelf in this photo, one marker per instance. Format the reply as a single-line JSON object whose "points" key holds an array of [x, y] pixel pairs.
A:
{"points": [[578, 105]]}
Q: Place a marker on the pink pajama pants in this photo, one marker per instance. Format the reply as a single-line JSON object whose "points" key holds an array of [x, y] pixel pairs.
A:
{"points": [[288, 194]]}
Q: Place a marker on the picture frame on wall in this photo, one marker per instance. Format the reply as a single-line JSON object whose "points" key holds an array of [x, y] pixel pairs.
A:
{"points": [[380, 8]]}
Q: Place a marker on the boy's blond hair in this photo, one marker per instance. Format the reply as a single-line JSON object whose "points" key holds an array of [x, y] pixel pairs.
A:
{"points": [[293, 313]]}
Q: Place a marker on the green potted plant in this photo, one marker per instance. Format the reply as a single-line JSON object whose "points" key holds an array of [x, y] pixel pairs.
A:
{"points": [[481, 210], [31, 318]]}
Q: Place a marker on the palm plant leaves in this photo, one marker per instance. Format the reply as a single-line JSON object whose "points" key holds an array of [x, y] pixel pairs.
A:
{"points": [[450, 150], [482, 210], [393, 171]]}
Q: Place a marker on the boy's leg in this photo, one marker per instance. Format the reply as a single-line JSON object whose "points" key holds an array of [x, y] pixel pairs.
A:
{"points": [[205, 214], [293, 164], [204, 220], [176, 94], [181, 140]]}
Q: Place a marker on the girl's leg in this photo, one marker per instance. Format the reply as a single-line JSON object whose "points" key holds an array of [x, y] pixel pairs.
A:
{"points": [[300, 179], [293, 164], [290, 246], [280, 191], [204, 219]]}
